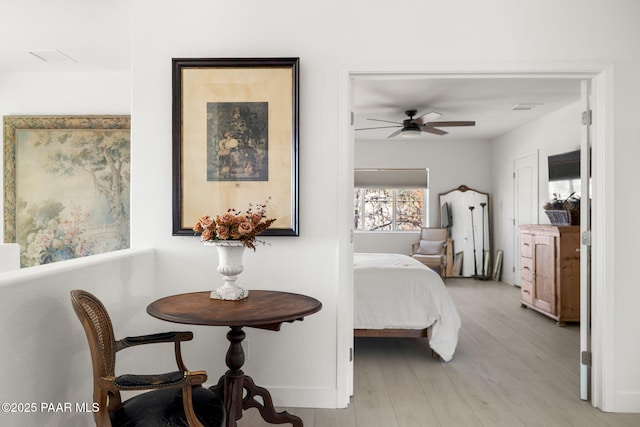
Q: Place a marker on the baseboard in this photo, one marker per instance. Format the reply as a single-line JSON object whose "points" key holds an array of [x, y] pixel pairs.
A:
{"points": [[302, 397], [626, 402], [325, 398]]}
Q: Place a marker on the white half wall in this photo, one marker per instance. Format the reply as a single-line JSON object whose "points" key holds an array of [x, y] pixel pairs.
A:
{"points": [[45, 353]]}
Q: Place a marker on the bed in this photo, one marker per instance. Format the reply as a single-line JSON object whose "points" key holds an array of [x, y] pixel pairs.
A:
{"points": [[398, 296]]}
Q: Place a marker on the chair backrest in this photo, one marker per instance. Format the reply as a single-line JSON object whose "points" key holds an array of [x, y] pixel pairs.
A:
{"points": [[99, 330], [434, 234]]}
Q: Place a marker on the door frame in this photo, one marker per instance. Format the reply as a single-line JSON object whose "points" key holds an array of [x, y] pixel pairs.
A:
{"points": [[535, 198], [603, 248]]}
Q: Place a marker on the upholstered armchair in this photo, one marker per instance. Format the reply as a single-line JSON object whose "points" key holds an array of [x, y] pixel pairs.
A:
{"points": [[177, 398], [431, 249]]}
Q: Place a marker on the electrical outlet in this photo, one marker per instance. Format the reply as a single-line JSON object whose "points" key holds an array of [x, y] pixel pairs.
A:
{"points": [[245, 348]]}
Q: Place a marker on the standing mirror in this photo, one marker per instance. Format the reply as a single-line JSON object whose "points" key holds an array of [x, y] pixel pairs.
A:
{"points": [[465, 212]]}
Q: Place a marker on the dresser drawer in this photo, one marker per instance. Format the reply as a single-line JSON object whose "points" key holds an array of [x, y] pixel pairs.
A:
{"points": [[526, 266], [526, 289], [526, 245]]}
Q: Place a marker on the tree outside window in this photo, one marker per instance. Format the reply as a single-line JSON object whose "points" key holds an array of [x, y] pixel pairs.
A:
{"points": [[389, 209]]}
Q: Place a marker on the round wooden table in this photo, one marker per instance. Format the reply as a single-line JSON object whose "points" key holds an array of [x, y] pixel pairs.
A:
{"points": [[261, 309]]}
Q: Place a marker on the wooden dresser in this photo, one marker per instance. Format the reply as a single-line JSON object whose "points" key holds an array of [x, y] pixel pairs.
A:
{"points": [[550, 267]]}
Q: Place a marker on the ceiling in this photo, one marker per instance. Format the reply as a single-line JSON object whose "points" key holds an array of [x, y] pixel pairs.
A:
{"points": [[488, 101], [93, 35]]}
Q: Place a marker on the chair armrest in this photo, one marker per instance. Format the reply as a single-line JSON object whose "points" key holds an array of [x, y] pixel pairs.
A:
{"points": [[161, 337], [151, 381], [164, 337]]}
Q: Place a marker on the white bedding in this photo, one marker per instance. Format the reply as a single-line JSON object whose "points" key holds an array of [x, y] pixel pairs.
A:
{"points": [[394, 291]]}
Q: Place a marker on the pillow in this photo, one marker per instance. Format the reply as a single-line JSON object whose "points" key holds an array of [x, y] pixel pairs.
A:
{"points": [[429, 247]]}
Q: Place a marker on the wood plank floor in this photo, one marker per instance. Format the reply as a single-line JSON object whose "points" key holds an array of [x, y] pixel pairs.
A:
{"points": [[512, 367]]}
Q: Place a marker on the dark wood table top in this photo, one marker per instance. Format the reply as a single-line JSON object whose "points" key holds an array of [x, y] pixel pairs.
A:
{"points": [[261, 309]]}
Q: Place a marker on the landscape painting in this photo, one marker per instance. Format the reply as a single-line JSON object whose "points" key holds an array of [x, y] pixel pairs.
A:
{"points": [[71, 192]]}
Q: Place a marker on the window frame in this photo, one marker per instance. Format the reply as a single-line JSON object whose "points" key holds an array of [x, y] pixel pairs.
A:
{"points": [[394, 215]]}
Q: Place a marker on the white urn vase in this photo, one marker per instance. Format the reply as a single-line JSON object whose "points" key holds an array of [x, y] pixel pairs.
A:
{"points": [[230, 266]]}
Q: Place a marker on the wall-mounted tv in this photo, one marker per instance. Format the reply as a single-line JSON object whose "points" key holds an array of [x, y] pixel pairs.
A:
{"points": [[564, 166]]}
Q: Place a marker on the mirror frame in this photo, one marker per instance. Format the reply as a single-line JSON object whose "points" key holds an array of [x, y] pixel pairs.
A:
{"points": [[485, 267]]}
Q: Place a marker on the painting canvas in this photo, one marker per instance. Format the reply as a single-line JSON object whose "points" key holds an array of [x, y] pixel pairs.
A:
{"points": [[68, 195], [237, 141]]}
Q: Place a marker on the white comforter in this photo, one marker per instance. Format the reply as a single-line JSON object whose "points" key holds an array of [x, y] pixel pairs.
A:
{"points": [[394, 291]]}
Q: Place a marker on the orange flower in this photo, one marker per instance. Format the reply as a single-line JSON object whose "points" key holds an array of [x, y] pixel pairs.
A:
{"points": [[227, 218], [222, 232], [235, 225], [206, 221], [245, 228], [256, 218], [208, 234]]}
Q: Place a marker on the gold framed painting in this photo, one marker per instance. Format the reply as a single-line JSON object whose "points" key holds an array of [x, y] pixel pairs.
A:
{"points": [[235, 139], [66, 186]]}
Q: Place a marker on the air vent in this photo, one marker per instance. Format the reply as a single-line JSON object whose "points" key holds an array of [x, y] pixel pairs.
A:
{"points": [[525, 106], [51, 55]]}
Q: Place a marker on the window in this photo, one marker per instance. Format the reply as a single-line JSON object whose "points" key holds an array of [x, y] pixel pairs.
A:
{"points": [[565, 188], [389, 209]]}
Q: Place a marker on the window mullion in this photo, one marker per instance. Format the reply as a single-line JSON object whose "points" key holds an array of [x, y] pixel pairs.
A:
{"points": [[394, 217]]}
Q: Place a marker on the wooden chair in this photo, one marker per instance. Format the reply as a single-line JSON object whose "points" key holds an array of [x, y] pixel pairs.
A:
{"points": [[177, 399], [431, 249]]}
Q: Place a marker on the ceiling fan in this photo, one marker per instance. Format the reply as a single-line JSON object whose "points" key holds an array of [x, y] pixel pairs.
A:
{"points": [[415, 126]]}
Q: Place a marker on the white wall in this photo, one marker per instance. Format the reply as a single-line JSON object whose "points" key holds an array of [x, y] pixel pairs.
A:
{"points": [[556, 133], [40, 93], [300, 363], [44, 352], [451, 163]]}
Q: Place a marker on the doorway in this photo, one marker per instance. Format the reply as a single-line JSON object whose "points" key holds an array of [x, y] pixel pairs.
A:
{"points": [[347, 162]]}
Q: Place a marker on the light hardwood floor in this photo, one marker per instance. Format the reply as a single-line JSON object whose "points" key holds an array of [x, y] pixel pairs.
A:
{"points": [[512, 367]]}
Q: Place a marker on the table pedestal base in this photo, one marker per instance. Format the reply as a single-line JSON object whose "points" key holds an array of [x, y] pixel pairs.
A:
{"points": [[232, 385], [227, 386]]}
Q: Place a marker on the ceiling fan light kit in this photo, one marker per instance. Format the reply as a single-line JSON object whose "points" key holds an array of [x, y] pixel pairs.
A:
{"points": [[413, 127], [410, 131]]}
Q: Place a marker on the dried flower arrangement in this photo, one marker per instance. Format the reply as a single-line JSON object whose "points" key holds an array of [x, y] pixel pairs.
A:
{"points": [[235, 225]]}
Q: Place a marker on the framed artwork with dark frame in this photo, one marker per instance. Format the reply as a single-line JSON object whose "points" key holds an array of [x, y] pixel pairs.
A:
{"points": [[235, 139], [66, 186]]}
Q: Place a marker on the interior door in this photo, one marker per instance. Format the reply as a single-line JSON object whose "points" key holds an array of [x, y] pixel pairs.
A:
{"points": [[525, 175], [585, 247]]}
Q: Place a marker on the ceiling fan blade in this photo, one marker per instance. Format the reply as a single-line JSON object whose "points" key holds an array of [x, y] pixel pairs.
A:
{"points": [[395, 133], [380, 127], [444, 124], [426, 118], [386, 121], [434, 130]]}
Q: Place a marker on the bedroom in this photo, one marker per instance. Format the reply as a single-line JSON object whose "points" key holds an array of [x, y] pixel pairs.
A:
{"points": [[510, 116], [481, 157], [142, 89]]}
